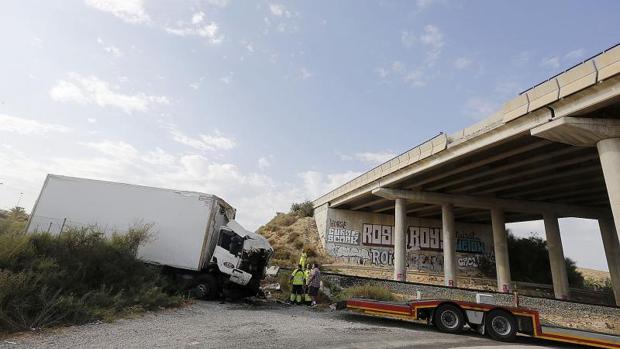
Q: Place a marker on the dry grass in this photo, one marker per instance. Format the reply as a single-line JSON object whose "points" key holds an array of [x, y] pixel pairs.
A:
{"points": [[289, 233], [367, 291]]}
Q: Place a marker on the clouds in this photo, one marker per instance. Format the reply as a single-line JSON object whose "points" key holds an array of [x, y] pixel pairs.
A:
{"points": [[21, 126], [112, 50], [432, 38], [415, 77], [204, 142], [567, 59], [256, 195], [316, 183], [479, 107], [198, 27], [462, 63], [278, 10], [90, 90], [130, 11], [371, 158], [429, 43], [305, 74]]}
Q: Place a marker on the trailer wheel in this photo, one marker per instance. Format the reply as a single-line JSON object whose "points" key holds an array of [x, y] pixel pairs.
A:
{"points": [[501, 325], [449, 318], [206, 288]]}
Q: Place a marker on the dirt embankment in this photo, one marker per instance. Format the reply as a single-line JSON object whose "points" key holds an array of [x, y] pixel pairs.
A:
{"points": [[289, 234]]}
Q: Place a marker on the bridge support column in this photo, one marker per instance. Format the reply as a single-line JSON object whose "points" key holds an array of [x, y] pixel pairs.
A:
{"points": [[609, 153], [449, 245], [556, 256], [612, 252], [500, 245], [400, 224]]}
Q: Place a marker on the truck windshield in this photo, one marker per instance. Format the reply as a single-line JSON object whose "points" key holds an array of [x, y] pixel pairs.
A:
{"points": [[231, 242]]}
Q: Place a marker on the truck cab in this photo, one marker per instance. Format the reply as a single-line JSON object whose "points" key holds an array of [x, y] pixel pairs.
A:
{"points": [[242, 255]]}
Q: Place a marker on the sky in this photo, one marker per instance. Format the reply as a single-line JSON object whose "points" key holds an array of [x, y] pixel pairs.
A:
{"points": [[265, 103]]}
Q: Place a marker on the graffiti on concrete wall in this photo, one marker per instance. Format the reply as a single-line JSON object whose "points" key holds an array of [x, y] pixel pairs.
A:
{"points": [[350, 254], [469, 243], [373, 245], [425, 262], [420, 238], [337, 232]]}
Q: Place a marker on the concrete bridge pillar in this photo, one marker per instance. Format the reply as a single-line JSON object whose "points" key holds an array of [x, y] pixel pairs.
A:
{"points": [[556, 256], [612, 252], [605, 135], [500, 245], [609, 153], [449, 245], [400, 225]]}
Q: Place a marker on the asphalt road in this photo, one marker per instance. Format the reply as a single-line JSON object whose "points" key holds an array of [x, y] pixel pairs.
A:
{"points": [[214, 325]]}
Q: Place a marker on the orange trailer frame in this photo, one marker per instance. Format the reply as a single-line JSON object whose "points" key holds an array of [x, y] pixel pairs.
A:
{"points": [[423, 309]]}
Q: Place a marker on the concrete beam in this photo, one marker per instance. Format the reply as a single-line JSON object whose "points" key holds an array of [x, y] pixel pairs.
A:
{"points": [[581, 132], [559, 175], [519, 174], [512, 165], [491, 202], [553, 188], [366, 204]]}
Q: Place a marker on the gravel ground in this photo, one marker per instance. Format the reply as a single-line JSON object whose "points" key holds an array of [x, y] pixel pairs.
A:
{"points": [[215, 325]]}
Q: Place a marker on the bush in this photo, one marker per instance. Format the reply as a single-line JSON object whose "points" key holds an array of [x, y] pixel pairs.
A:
{"points": [[303, 209], [13, 221], [367, 291], [529, 262], [75, 277]]}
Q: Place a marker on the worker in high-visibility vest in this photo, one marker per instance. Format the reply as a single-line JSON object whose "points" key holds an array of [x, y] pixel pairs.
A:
{"points": [[307, 298], [298, 280], [303, 258]]}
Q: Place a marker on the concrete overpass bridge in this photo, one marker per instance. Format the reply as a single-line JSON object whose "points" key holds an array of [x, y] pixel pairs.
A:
{"points": [[551, 152]]}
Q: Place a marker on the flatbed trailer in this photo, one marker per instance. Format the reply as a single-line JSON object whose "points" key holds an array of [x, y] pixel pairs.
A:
{"points": [[499, 322]]}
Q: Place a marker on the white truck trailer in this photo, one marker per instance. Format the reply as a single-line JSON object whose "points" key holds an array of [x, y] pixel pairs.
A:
{"points": [[193, 235]]}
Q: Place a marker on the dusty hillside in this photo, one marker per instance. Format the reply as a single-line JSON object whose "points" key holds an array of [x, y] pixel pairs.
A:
{"points": [[595, 276], [289, 233]]}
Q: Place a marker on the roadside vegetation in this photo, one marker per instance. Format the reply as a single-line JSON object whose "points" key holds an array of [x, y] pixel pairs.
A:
{"points": [[368, 291], [529, 262], [290, 233], [75, 277]]}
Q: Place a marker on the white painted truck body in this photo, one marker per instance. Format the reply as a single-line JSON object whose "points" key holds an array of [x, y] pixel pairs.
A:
{"points": [[185, 226]]}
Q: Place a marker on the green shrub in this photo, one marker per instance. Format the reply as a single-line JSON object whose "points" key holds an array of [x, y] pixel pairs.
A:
{"points": [[367, 291], [13, 221], [303, 209], [75, 277]]}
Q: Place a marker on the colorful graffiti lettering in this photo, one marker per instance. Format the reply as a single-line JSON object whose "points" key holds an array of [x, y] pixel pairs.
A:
{"points": [[420, 238]]}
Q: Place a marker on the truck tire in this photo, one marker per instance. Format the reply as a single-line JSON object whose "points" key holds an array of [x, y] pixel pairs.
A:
{"points": [[206, 288], [501, 325], [449, 318]]}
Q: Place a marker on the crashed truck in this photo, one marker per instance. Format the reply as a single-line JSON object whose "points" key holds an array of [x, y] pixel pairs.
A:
{"points": [[193, 236]]}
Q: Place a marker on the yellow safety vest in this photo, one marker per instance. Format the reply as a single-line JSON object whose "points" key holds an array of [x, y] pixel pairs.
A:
{"points": [[307, 275], [298, 277], [302, 259]]}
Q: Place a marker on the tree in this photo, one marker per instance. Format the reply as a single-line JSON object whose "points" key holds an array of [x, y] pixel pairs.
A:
{"points": [[303, 209], [529, 262], [13, 221]]}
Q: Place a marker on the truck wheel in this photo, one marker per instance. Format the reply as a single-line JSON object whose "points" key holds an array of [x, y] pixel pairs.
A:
{"points": [[449, 318], [206, 288], [501, 325]]}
